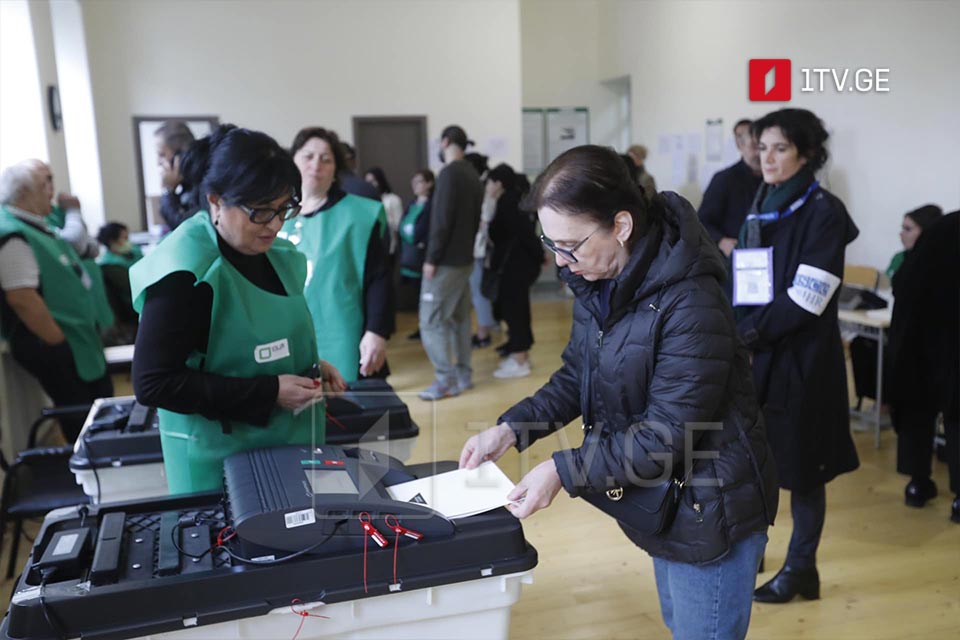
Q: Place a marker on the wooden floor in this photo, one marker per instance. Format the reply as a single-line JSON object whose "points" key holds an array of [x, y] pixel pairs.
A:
{"points": [[887, 572]]}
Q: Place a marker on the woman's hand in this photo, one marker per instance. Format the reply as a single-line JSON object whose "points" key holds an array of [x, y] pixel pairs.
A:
{"points": [[536, 490], [333, 382], [489, 444], [373, 353], [295, 392]]}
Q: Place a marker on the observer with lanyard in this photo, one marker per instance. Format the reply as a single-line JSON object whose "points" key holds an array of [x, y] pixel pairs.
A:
{"points": [[226, 346]]}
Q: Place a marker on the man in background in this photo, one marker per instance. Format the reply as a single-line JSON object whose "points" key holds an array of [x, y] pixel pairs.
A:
{"points": [[178, 200]]}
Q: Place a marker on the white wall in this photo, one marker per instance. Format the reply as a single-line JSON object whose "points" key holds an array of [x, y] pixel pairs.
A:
{"points": [[278, 66], [891, 151], [560, 58]]}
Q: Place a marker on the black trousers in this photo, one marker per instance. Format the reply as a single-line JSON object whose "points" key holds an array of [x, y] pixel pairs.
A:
{"points": [[513, 307], [809, 509], [54, 368], [915, 431]]}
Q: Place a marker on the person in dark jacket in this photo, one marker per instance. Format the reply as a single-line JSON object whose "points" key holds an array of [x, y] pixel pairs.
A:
{"points": [[179, 199], [517, 256], [925, 358], [730, 192], [798, 361], [653, 356]]}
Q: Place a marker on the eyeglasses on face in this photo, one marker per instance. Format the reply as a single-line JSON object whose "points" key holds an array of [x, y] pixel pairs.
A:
{"points": [[567, 254], [263, 215]]}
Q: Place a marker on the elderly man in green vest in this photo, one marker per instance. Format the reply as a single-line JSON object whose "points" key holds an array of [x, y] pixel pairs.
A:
{"points": [[50, 309]]}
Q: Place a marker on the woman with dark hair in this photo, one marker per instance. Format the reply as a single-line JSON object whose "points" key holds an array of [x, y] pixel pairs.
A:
{"points": [[115, 265], [788, 319], [120, 251], [415, 232], [914, 223], [226, 347], [343, 237], [392, 204], [653, 355], [515, 263]]}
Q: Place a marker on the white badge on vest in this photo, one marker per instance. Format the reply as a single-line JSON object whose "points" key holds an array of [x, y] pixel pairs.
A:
{"points": [[752, 277], [272, 351]]}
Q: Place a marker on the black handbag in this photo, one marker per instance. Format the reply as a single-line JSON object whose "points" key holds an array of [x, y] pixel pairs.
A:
{"points": [[649, 510]]}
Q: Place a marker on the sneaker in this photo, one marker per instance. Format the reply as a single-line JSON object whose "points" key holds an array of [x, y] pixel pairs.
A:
{"points": [[480, 343], [414, 336], [510, 368], [465, 382], [439, 391]]}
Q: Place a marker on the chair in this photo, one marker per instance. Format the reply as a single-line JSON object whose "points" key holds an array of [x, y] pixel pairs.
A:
{"points": [[37, 482], [861, 275]]}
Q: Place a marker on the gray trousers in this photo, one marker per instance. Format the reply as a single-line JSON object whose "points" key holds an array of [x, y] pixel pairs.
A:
{"points": [[445, 321], [481, 305]]}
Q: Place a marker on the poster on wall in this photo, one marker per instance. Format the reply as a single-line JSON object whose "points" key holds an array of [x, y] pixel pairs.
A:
{"points": [[566, 128], [151, 152], [534, 137]]}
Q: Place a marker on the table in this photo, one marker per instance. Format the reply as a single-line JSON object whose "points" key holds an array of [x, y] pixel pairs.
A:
{"points": [[871, 324]]}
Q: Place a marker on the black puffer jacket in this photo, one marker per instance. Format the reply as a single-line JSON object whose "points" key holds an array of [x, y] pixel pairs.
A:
{"points": [[665, 361]]}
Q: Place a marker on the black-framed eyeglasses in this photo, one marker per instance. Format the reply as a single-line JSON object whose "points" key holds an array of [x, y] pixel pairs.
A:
{"points": [[568, 254], [263, 215]]}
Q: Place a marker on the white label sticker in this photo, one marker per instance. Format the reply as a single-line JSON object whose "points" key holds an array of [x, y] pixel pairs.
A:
{"points": [[752, 277], [813, 288], [299, 518], [65, 544], [271, 352], [25, 594]]}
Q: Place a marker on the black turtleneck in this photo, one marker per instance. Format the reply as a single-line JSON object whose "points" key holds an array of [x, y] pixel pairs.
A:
{"points": [[175, 323]]}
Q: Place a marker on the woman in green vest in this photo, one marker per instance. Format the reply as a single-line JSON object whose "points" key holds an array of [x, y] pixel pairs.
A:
{"points": [[414, 232], [343, 237], [115, 262], [119, 250], [226, 346]]}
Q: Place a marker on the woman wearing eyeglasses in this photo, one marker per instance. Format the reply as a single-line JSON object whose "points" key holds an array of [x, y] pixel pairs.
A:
{"points": [[344, 238], [655, 369], [226, 346]]}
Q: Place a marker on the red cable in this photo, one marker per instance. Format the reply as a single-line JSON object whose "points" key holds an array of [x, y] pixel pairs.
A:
{"points": [[396, 549], [335, 421], [303, 616], [365, 564]]}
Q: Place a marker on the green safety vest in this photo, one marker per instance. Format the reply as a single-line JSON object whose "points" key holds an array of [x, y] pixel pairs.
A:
{"points": [[66, 287], [335, 243], [252, 333], [105, 319], [120, 260], [407, 228]]}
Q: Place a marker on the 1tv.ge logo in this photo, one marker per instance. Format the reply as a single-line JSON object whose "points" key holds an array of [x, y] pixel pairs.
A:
{"points": [[770, 80]]}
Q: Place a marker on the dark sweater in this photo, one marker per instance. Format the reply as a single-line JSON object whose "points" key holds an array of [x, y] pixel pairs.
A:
{"points": [[454, 215], [727, 200]]}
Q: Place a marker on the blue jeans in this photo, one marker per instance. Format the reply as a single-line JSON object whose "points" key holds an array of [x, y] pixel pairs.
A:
{"points": [[711, 601], [481, 305]]}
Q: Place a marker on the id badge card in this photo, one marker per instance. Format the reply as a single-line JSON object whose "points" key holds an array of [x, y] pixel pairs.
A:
{"points": [[752, 277]]}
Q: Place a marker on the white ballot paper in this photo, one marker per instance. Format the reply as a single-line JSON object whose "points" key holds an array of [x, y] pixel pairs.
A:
{"points": [[460, 493], [752, 277]]}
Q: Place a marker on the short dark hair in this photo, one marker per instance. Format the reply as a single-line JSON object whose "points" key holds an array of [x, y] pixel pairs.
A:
{"points": [[327, 135], [241, 166], [456, 135], [505, 175], [801, 127], [176, 135], [383, 185], [593, 181], [110, 233], [479, 162], [740, 123], [925, 216]]}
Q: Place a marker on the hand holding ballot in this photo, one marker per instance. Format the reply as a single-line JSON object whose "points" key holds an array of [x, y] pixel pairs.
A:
{"points": [[460, 493]]}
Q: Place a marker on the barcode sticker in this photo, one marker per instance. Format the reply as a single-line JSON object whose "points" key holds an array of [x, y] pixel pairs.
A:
{"points": [[299, 518]]}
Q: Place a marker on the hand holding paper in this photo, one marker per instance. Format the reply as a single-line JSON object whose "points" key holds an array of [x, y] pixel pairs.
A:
{"points": [[460, 493]]}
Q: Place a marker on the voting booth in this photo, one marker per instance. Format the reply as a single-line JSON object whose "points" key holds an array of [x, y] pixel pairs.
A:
{"points": [[118, 455], [302, 542]]}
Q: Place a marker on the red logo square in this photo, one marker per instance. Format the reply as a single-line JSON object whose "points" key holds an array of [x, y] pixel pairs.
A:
{"points": [[769, 80]]}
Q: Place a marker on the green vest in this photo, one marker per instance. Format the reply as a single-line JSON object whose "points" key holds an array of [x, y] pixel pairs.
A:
{"points": [[407, 228], [66, 288], [252, 333], [335, 243], [98, 291], [110, 258]]}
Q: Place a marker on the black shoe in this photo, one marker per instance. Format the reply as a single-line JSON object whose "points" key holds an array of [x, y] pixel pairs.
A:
{"points": [[918, 492], [480, 343], [788, 583], [502, 350], [414, 336], [955, 510]]}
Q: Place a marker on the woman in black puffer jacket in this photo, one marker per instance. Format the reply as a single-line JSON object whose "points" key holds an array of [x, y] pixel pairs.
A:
{"points": [[655, 368]]}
